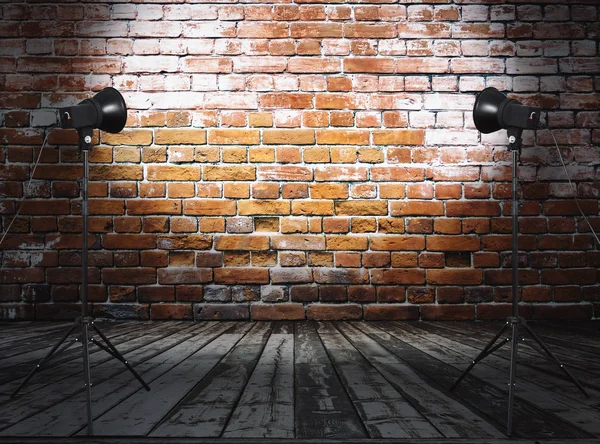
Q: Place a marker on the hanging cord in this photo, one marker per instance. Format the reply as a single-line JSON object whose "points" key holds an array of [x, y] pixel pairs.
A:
{"points": [[574, 189], [27, 186]]}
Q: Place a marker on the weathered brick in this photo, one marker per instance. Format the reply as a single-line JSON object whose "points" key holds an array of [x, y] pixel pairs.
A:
{"points": [[219, 173], [241, 242], [331, 312], [264, 207], [277, 312], [241, 275], [233, 137], [209, 207]]}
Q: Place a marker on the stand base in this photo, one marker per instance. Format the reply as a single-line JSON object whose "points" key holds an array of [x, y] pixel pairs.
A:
{"points": [[519, 329], [82, 323]]}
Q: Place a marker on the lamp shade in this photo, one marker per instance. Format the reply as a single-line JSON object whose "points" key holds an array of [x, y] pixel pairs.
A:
{"points": [[494, 111], [114, 110], [487, 110], [106, 111]]}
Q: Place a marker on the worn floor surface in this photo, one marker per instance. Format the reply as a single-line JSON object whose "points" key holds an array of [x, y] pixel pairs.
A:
{"points": [[284, 382]]}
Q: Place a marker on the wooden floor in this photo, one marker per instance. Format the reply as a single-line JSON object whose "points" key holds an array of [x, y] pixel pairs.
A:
{"points": [[349, 382]]}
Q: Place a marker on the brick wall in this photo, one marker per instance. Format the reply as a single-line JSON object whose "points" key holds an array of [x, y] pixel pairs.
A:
{"points": [[299, 160]]}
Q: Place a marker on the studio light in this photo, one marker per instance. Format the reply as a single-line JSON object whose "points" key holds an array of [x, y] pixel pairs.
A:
{"points": [[492, 112], [106, 111]]}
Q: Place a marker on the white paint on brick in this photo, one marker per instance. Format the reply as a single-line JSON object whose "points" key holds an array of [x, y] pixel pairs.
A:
{"points": [[124, 12], [177, 100], [149, 12], [145, 64], [421, 119], [449, 101], [44, 117], [204, 82], [101, 29], [451, 137], [475, 13]]}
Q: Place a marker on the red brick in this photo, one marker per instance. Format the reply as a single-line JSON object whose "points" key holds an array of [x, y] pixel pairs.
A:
{"points": [[156, 294], [453, 243], [502, 311], [472, 208], [330, 312], [396, 243], [397, 174], [563, 311], [277, 312], [388, 294], [241, 242], [184, 242], [182, 275], [315, 30], [222, 312], [144, 206], [304, 293], [129, 276], [390, 312], [171, 311], [404, 276], [369, 65], [454, 277], [241, 275], [447, 312], [286, 100], [129, 241], [313, 65], [209, 207]]}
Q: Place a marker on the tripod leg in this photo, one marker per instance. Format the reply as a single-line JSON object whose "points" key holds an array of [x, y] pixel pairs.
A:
{"points": [[66, 347], [493, 349], [43, 361], [513, 374], [88, 381], [103, 347], [481, 355], [555, 359], [120, 357]]}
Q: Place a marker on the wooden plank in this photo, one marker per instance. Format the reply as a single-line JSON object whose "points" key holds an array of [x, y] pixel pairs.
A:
{"points": [[556, 382], [137, 415], [10, 337], [590, 328], [383, 410], [580, 355], [495, 371], [529, 422], [118, 388], [323, 409], [50, 394], [266, 406], [59, 369], [205, 410], [48, 340], [24, 362], [538, 360], [591, 341], [447, 415], [141, 440]]}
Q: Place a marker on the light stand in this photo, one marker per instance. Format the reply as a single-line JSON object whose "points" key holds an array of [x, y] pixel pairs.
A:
{"points": [[106, 111], [486, 105]]}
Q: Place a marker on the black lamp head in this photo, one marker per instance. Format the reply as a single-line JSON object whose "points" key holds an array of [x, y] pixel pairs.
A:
{"points": [[106, 111], [493, 111]]}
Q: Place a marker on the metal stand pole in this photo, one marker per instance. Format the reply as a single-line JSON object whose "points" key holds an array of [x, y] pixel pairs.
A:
{"points": [[84, 294], [514, 321], [85, 321]]}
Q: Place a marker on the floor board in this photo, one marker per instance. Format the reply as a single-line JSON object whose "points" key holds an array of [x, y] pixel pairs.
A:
{"points": [[304, 382]]}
